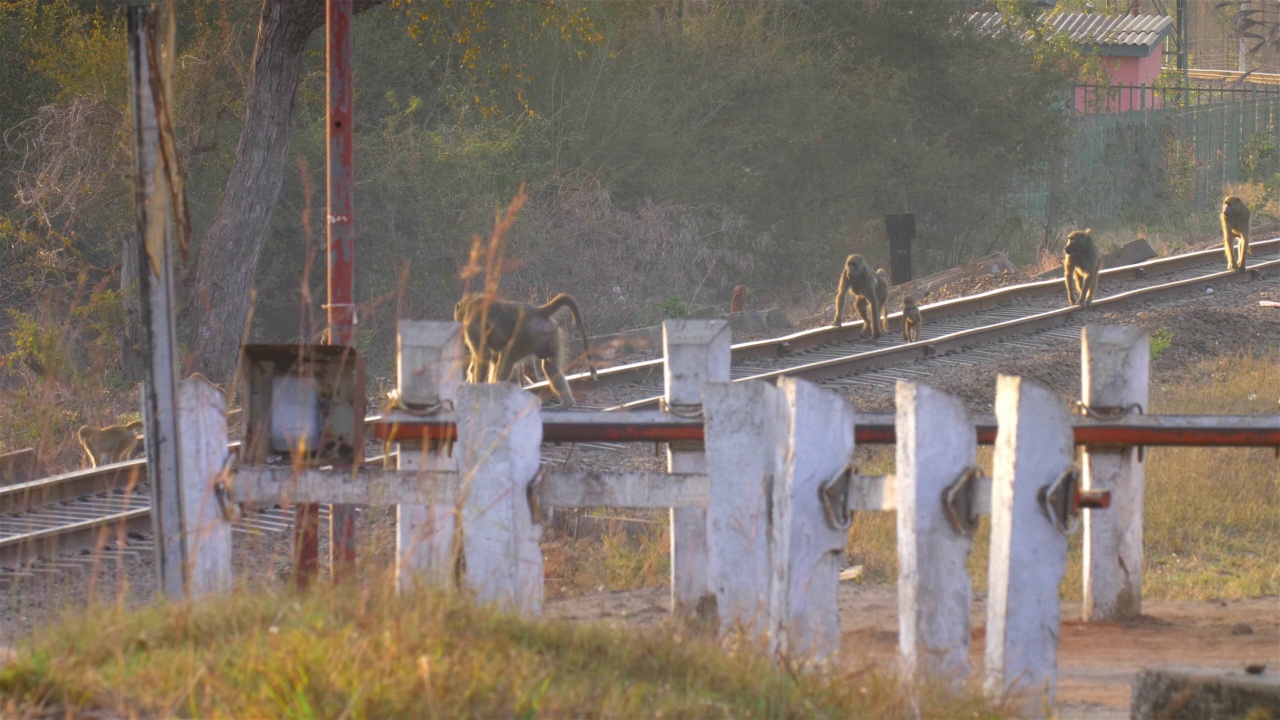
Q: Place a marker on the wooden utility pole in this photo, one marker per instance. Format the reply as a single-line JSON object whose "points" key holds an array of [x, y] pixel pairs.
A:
{"points": [[155, 168]]}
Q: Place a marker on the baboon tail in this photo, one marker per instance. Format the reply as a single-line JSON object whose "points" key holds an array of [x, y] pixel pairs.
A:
{"points": [[565, 300]]}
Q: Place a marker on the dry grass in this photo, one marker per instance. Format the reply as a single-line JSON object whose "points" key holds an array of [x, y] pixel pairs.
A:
{"points": [[368, 653], [1212, 514], [612, 555]]}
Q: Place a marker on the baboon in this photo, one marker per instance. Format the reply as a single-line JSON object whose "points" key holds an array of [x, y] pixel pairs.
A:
{"points": [[870, 289], [1235, 224], [738, 302], [911, 320], [114, 442], [882, 294], [1082, 263], [501, 333]]}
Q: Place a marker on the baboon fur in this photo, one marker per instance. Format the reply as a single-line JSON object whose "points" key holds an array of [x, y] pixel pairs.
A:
{"points": [[1082, 263], [501, 333]]}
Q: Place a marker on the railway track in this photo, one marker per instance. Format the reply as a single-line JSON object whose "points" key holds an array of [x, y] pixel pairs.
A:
{"points": [[827, 353], [69, 516]]}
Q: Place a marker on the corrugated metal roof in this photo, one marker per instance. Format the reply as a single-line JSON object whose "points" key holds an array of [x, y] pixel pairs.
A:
{"points": [[1091, 28]]}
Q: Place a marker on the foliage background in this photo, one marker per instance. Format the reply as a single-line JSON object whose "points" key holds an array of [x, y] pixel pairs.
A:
{"points": [[672, 150]]}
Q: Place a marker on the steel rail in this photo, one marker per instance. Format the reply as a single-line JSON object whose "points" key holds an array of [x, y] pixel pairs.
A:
{"points": [[839, 367], [803, 340], [72, 537], [69, 486]]}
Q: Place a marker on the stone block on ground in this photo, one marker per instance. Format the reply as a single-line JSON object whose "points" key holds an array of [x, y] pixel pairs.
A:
{"points": [[1181, 693]]}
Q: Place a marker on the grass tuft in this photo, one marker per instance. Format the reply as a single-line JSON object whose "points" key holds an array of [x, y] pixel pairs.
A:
{"points": [[370, 653]]}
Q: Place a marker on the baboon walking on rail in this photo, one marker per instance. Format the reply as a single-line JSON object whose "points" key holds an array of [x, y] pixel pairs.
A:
{"points": [[111, 444], [870, 290], [501, 333], [911, 320], [1235, 224], [1082, 263]]}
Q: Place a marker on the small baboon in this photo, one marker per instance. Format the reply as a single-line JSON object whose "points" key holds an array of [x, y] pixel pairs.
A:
{"points": [[870, 289], [911, 320], [738, 302], [501, 333], [1235, 224], [115, 443], [1082, 263]]}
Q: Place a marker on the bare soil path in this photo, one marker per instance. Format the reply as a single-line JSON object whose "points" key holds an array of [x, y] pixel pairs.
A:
{"points": [[1097, 661]]}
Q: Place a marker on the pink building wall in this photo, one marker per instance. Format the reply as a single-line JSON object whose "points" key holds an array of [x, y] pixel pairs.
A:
{"points": [[1124, 71]]}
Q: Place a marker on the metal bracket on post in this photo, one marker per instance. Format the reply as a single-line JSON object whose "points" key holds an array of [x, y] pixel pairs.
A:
{"points": [[1111, 413], [1062, 500], [1057, 500], [958, 502], [834, 495]]}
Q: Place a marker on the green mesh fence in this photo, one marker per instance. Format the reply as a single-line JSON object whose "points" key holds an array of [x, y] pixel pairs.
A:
{"points": [[1180, 147]]}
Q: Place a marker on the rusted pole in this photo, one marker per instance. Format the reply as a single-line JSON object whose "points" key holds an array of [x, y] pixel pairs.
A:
{"points": [[341, 240], [147, 83]]}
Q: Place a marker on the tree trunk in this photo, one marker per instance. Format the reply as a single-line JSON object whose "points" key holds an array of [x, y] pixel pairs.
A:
{"points": [[133, 362], [228, 259]]}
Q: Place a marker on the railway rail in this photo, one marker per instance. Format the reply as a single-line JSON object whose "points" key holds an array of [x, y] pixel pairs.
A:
{"points": [[82, 510]]}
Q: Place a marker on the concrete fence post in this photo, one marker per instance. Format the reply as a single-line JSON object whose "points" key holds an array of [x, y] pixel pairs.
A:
{"points": [[499, 438], [207, 506], [744, 436], [429, 370], [810, 519], [1033, 454], [936, 453], [1116, 362], [696, 352]]}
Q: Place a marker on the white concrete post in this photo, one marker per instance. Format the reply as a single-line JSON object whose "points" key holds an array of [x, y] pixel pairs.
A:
{"points": [[936, 446], [1116, 363], [1034, 448], [206, 527], [697, 352], [499, 438], [744, 437], [808, 547], [429, 368]]}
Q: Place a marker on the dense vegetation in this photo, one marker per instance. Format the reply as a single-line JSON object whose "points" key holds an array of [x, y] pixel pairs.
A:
{"points": [[668, 155]]}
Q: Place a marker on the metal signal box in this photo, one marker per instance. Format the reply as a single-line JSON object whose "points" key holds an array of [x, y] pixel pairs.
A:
{"points": [[303, 403]]}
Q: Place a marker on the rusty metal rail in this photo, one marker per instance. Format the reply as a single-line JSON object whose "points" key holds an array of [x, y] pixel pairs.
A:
{"points": [[804, 340], [657, 426], [882, 357]]}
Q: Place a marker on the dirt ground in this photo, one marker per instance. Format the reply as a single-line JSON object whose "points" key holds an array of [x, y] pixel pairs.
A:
{"points": [[1096, 661]]}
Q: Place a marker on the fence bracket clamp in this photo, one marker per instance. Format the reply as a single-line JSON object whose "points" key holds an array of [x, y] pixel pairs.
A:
{"points": [[1062, 500], [223, 494], [958, 502], [1111, 413], [532, 491], [684, 411], [834, 496]]}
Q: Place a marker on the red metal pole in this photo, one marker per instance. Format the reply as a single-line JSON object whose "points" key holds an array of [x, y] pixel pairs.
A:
{"points": [[341, 304], [341, 235]]}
